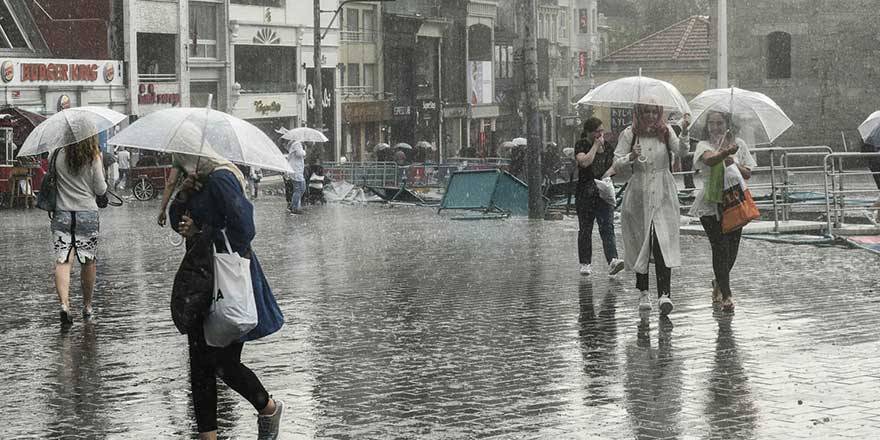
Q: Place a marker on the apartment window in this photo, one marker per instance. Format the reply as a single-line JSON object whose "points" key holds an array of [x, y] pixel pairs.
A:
{"points": [[584, 21], [11, 36], [370, 76], [369, 25], [554, 28], [352, 20], [265, 69], [503, 61], [778, 55], [563, 28], [156, 60], [353, 75], [203, 30]]}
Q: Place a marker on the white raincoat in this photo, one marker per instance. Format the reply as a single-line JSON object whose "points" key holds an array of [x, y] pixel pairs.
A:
{"points": [[650, 198]]}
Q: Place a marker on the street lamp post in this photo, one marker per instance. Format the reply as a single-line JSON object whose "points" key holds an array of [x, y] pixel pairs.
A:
{"points": [[317, 85], [533, 155]]}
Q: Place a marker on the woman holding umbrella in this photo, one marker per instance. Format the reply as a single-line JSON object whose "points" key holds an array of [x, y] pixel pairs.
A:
{"points": [[650, 212], [721, 146]]}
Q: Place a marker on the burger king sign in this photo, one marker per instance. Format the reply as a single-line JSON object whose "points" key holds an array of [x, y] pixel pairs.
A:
{"points": [[7, 69]]}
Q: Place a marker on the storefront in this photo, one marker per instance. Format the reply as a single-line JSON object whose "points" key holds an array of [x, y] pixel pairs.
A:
{"points": [[46, 86], [363, 127]]}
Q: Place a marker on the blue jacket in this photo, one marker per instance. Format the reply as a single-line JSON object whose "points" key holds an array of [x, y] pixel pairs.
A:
{"points": [[220, 204]]}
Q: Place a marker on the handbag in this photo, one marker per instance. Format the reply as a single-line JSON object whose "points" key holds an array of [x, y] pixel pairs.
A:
{"points": [[193, 284], [605, 187], [269, 316], [47, 198], [737, 206], [233, 310], [103, 200]]}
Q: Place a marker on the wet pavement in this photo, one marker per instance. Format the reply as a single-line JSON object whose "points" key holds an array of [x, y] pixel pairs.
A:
{"points": [[405, 324]]}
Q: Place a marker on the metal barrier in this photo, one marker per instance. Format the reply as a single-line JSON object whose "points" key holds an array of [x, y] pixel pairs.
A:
{"points": [[378, 174], [781, 185], [835, 187]]}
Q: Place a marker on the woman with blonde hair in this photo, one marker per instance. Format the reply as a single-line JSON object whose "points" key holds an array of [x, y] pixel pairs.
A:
{"points": [[75, 224]]}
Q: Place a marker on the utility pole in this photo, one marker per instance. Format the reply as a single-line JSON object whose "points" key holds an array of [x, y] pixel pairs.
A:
{"points": [[722, 44], [533, 156], [317, 87]]}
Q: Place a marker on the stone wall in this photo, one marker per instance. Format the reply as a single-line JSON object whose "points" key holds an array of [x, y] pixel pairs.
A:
{"points": [[835, 63]]}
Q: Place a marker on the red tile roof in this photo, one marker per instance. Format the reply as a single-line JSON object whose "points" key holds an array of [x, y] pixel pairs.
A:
{"points": [[687, 40]]}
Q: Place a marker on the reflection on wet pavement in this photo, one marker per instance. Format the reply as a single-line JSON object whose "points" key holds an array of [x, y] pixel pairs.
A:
{"points": [[405, 324]]}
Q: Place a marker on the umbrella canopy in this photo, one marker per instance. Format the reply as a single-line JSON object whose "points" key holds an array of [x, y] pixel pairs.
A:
{"points": [[304, 134], [520, 141], [382, 146], [21, 121], [507, 144], [637, 90], [754, 115], [403, 146], [69, 126], [868, 128], [874, 137], [203, 132], [425, 144]]}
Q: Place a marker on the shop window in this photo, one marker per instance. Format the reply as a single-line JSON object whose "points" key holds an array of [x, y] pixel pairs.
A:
{"points": [[264, 69], [199, 92], [156, 57], [778, 55], [11, 36], [203, 30]]}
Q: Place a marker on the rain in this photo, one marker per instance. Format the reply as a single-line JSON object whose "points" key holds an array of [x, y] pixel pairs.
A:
{"points": [[439, 219]]}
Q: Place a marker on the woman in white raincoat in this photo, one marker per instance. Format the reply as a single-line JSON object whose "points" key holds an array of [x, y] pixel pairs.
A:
{"points": [[650, 212]]}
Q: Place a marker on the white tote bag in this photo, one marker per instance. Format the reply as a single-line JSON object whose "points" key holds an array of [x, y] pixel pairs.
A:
{"points": [[606, 190], [233, 311]]}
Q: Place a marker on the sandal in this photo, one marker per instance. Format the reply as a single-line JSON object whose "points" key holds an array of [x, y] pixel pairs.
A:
{"points": [[727, 305], [716, 293]]}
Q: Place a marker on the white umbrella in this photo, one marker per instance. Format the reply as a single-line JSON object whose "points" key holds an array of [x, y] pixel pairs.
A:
{"points": [[752, 114], [520, 141], [634, 90], [203, 132], [869, 125], [425, 144], [69, 126], [304, 134], [403, 146], [382, 146]]}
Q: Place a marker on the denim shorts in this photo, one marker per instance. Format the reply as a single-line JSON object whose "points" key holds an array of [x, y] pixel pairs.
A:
{"points": [[77, 232]]}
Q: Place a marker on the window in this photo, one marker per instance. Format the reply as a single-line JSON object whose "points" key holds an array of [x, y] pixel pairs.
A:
{"points": [[584, 21], [11, 36], [199, 92], [203, 30], [262, 69], [353, 75], [778, 55], [272, 3], [554, 28], [563, 28], [503, 61], [370, 77], [156, 57], [369, 28], [352, 21]]}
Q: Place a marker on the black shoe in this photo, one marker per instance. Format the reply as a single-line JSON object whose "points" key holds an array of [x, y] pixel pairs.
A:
{"points": [[87, 315], [66, 320]]}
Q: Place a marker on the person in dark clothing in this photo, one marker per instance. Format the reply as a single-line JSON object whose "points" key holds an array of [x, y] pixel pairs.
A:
{"points": [[594, 159], [212, 199], [874, 166]]}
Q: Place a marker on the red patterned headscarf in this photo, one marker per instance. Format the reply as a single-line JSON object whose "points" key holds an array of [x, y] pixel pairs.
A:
{"points": [[650, 125]]}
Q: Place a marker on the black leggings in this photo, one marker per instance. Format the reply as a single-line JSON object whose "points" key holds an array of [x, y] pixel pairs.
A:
{"points": [[205, 365], [725, 247], [664, 274]]}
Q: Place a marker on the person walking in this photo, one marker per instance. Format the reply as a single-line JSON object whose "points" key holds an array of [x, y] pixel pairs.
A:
{"points": [[123, 159], [595, 159], [296, 159], [74, 223], [255, 177], [213, 199], [721, 147], [650, 211]]}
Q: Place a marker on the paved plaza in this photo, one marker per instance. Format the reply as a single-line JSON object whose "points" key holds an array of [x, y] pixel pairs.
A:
{"points": [[404, 324]]}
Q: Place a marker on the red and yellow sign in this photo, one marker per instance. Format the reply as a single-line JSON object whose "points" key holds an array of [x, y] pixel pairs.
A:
{"points": [[39, 72]]}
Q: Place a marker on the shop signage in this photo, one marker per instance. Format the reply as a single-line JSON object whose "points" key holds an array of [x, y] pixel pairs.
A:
{"points": [[402, 110], [455, 112], [147, 94], [620, 119], [265, 108], [366, 111], [63, 102], [45, 72], [429, 105]]}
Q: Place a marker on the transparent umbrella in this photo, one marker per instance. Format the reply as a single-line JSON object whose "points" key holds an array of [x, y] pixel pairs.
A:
{"points": [[634, 90], [425, 144], [304, 134], [403, 146], [756, 118], [519, 141], [869, 127], [67, 127], [203, 132], [382, 146]]}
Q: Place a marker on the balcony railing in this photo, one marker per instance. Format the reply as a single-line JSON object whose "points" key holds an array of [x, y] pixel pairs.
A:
{"points": [[358, 36], [158, 77], [357, 90]]}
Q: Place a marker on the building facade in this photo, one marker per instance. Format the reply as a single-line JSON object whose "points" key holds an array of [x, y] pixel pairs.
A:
{"points": [[818, 62]]}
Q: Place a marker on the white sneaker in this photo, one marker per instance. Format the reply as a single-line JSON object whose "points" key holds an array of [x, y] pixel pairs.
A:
{"points": [[645, 301], [665, 305], [615, 266], [586, 269]]}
